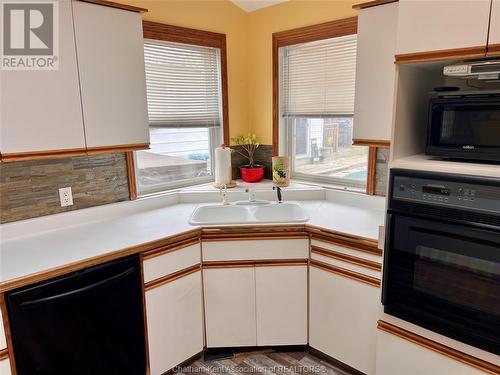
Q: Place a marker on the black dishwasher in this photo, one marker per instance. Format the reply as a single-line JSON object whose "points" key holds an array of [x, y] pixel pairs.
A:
{"points": [[88, 322]]}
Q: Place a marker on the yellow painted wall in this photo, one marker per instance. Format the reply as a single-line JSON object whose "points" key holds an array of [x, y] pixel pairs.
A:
{"points": [[249, 46], [220, 16], [262, 24]]}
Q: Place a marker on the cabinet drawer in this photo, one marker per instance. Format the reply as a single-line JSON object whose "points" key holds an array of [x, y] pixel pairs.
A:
{"points": [[347, 263], [351, 251], [256, 249], [170, 261]]}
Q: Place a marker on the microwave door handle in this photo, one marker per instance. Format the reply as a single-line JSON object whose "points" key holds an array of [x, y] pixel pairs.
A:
{"points": [[385, 266], [86, 288]]}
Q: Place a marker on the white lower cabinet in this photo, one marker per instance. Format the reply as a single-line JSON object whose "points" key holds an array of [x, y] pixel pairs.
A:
{"points": [[230, 306], [5, 367], [343, 319], [174, 321], [396, 356], [256, 306], [281, 293]]}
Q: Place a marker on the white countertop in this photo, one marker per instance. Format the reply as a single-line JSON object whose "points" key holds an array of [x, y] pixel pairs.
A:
{"points": [[41, 244]]}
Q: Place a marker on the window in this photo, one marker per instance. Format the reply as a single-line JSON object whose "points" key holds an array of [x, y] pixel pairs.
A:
{"points": [[317, 82], [185, 109]]}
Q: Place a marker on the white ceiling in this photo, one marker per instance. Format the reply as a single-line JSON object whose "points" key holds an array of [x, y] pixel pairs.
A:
{"points": [[251, 5]]}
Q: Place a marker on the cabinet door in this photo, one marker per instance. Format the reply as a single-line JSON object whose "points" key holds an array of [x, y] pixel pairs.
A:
{"points": [[110, 51], [174, 320], [343, 319], [41, 109], [5, 367], [396, 356], [494, 37], [375, 72], [281, 295], [230, 306], [441, 25]]}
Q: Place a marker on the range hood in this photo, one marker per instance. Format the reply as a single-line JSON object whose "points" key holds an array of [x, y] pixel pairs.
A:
{"points": [[487, 70]]}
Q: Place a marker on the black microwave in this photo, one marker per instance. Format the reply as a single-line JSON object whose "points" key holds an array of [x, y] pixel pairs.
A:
{"points": [[464, 128]]}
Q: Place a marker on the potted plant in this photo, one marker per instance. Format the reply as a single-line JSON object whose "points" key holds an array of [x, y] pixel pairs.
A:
{"points": [[250, 172]]}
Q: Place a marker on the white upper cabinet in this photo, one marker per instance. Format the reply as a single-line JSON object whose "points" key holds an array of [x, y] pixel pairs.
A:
{"points": [[442, 24], [110, 50], [375, 72], [494, 37], [40, 111]]}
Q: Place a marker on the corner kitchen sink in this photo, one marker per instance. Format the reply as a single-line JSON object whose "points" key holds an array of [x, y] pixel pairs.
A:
{"points": [[244, 214]]}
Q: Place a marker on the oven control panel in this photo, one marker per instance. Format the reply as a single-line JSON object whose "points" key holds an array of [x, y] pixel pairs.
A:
{"points": [[454, 194]]}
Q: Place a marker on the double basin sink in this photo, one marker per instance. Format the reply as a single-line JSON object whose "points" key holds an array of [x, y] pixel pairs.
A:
{"points": [[248, 213]]}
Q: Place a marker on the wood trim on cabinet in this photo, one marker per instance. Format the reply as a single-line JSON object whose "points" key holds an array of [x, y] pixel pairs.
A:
{"points": [[248, 231], [281, 262], [373, 3], [47, 154], [170, 248], [366, 245], [4, 354], [116, 5], [172, 277], [373, 281], [52, 154], [145, 316], [493, 49], [372, 170], [132, 183], [178, 34], [371, 143], [117, 148], [8, 336], [347, 258], [253, 263], [439, 348], [446, 54], [332, 29], [61, 270], [257, 237]]}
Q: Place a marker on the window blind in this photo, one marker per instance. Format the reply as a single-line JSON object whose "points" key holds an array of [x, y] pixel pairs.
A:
{"points": [[183, 84], [317, 78]]}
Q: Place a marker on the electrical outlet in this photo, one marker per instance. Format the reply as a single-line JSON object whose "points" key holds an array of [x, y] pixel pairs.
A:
{"points": [[66, 196]]}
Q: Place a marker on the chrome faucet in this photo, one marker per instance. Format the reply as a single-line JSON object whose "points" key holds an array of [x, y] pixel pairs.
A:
{"points": [[251, 195], [223, 193], [278, 193]]}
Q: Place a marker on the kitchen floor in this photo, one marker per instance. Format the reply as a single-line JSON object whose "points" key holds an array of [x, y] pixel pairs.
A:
{"points": [[265, 362]]}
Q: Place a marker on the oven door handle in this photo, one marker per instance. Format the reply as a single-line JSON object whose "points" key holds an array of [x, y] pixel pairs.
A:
{"points": [[387, 246]]}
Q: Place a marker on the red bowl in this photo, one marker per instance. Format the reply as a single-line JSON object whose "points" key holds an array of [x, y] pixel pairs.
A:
{"points": [[252, 174]]}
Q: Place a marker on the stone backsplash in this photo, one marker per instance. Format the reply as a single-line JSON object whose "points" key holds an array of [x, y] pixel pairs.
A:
{"points": [[29, 189], [381, 171]]}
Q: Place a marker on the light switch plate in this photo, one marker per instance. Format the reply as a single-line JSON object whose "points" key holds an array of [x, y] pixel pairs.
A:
{"points": [[66, 196]]}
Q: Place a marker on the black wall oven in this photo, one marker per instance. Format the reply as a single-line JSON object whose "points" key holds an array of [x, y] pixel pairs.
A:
{"points": [[465, 127], [442, 255]]}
